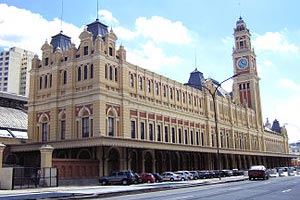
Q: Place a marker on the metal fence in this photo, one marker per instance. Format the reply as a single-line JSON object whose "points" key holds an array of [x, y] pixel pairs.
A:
{"points": [[33, 177]]}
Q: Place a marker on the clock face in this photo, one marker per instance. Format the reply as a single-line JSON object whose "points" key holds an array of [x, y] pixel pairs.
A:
{"points": [[242, 63]]}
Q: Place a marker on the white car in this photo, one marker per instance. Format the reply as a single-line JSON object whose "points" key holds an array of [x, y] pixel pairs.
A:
{"points": [[170, 176]]}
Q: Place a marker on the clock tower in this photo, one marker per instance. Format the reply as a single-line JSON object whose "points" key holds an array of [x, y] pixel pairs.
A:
{"points": [[246, 85]]}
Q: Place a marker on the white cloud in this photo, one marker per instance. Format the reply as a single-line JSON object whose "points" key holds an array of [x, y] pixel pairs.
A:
{"points": [[124, 33], [30, 30], [107, 17], [160, 30], [289, 84], [273, 41], [151, 57]]}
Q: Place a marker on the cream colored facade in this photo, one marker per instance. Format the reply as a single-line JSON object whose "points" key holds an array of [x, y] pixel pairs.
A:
{"points": [[90, 104]]}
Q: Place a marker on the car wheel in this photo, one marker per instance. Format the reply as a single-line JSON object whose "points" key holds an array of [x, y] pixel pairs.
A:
{"points": [[104, 182], [182, 179], [124, 182], [171, 179], [250, 178], [148, 181]]}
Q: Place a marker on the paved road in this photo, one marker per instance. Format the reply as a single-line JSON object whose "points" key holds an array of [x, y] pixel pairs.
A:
{"points": [[280, 188], [80, 192]]}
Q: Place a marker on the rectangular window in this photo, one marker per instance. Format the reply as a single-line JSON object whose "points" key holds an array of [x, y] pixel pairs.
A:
{"points": [[173, 135], [186, 136], [150, 131], [133, 129], [197, 138], [179, 136], [202, 139], [111, 126], [62, 129], [46, 61], [86, 50], [110, 51], [92, 129], [142, 130], [44, 132], [158, 133], [192, 137], [166, 134], [85, 127]]}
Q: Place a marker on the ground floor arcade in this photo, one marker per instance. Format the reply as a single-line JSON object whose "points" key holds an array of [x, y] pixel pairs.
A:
{"points": [[93, 158]]}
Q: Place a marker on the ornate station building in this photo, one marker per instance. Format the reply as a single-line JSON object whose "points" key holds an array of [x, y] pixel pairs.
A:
{"points": [[101, 113]]}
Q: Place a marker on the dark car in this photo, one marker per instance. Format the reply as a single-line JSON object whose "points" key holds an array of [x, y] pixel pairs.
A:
{"points": [[158, 177], [258, 172], [125, 177], [147, 178], [138, 178], [205, 174]]}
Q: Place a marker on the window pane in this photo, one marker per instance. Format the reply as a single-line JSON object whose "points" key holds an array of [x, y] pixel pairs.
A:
{"points": [[132, 129], [85, 127], [111, 126]]}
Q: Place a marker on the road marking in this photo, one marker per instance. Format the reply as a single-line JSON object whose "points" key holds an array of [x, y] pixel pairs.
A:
{"points": [[288, 190]]}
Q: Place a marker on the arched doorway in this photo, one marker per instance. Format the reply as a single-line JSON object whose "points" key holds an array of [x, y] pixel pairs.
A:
{"points": [[134, 161], [148, 162], [158, 157], [174, 160], [113, 162]]}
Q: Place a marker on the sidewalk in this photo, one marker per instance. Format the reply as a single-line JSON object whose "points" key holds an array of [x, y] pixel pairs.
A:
{"points": [[79, 192]]}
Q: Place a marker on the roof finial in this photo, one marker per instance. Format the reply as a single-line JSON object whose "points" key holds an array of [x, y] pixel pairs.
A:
{"points": [[195, 59], [61, 15], [97, 11]]}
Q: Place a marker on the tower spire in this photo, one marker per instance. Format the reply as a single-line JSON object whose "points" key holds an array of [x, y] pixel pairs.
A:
{"points": [[97, 10], [61, 15]]}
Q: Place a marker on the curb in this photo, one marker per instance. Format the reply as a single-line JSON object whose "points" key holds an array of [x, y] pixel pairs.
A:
{"points": [[146, 190]]}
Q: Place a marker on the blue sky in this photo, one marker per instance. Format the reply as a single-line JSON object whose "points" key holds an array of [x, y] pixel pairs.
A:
{"points": [[172, 37]]}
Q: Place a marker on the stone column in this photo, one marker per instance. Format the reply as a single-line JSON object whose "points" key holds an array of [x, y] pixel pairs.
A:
{"points": [[2, 147], [46, 155]]}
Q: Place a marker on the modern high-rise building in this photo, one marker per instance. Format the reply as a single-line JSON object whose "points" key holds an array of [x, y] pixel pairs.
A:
{"points": [[15, 65], [101, 113]]}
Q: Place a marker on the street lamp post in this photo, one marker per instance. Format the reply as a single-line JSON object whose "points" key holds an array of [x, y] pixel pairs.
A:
{"points": [[213, 95]]}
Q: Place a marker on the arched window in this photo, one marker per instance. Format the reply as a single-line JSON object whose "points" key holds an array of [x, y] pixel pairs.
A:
{"points": [[149, 86], [164, 91], [141, 83], [85, 72], [79, 74], [177, 95], [183, 97], [131, 80], [112, 122], [171, 93], [157, 88], [62, 124], [43, 128], [84, 123]]}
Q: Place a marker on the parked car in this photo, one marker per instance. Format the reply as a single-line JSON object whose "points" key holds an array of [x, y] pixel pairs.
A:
{"points": [[195, 174], [147, 178], [205, 174], [226, 173], [258, 171], [158, 177], [170, 176], [183, 176], [189, 175], [138, 178], [236, 172], [125, 177]]}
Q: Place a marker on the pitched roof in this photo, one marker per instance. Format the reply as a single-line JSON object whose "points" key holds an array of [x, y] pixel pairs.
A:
{"points": [[11, 118]]}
